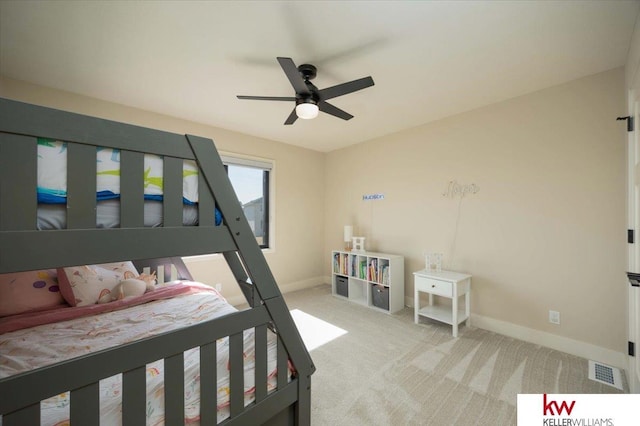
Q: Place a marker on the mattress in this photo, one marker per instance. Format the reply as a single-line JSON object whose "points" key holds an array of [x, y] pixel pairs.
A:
{"points": [[42, 345], [54, 216]]}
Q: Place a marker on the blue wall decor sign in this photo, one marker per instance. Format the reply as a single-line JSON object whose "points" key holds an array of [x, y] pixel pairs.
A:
{"points": [[371, 197]]}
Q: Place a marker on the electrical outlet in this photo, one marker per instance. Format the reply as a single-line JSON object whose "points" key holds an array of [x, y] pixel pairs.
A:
{"points": [[554, 317], [219, 287]]}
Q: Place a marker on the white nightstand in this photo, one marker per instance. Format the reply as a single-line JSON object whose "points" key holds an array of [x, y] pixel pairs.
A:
{"points": [[447, 284]]}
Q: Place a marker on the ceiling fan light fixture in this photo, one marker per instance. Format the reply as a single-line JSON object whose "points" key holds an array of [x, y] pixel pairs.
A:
{"points": [[307, 110]]}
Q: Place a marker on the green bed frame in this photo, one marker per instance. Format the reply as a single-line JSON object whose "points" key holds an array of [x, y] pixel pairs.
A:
{"points": [[23, 247]]}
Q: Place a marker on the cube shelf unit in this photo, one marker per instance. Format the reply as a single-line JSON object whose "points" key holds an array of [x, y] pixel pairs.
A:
{"points": [[375, 280]]}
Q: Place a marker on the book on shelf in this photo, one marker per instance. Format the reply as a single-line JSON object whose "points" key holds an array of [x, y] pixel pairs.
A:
{"points": [[354, 267], [373, 270], [385, 275], [340, 264], [362, 267]]}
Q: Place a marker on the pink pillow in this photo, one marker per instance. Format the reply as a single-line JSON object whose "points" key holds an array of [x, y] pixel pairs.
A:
{"points": [[29, 291], [84, 285]]}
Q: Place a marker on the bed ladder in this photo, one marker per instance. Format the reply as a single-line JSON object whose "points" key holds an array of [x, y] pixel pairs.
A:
{"points": [[251, 271]]}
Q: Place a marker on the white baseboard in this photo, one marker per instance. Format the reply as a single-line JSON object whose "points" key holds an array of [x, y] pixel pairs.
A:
{"points": [[284, 288], [301, 285], [553, 341]]}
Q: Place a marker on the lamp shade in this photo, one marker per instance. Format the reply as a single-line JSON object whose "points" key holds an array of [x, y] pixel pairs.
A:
{"points": [[307, 110], [348, 233]]}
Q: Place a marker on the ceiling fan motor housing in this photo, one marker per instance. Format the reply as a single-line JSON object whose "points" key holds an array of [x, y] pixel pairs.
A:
{"points": [[308, 71], [311, 98]]}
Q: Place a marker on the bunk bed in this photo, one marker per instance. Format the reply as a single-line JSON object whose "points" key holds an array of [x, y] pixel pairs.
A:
{"points": [[279, 379]]}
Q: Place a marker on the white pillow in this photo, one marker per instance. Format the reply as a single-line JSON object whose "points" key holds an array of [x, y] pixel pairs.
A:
{"points": [[84, 285]]}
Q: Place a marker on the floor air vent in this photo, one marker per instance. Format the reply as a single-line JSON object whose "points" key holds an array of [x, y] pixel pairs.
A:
{"points": [[605, 374]]}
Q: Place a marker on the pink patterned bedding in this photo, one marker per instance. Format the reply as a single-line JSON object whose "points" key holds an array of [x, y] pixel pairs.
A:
{"points": [[41, 345], [64, 313]]}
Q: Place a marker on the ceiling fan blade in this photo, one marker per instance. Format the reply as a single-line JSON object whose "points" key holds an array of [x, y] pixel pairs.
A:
{"points": [[267, 98], [294, 76], [292, 117], [333, 110], [345, 88]]}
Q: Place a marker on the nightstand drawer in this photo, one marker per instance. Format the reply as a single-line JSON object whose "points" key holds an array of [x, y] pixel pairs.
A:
{"points": [[428, 285]]}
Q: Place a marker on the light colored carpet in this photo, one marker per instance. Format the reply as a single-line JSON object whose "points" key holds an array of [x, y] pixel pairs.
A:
{"points": [[386, 370]]}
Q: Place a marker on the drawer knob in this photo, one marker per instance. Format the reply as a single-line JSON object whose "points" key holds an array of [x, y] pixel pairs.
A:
{"points": [[433, 286]]}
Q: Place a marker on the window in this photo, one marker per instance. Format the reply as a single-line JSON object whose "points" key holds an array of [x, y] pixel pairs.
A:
{"points": [[250, 180]]}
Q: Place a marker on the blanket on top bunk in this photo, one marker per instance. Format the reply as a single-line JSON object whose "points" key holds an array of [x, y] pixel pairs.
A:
{"points": [[35, 347], [52, 187], [52, 174]]}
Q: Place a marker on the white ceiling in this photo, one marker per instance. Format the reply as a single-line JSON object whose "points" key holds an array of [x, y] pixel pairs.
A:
{"points": [[429, 59]]}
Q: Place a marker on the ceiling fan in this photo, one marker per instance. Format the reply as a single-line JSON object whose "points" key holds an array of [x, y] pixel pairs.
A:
{"points": [[308, 98]]}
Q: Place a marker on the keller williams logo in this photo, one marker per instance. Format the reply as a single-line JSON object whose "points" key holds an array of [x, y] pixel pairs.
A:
{"points": [[549, 407]]}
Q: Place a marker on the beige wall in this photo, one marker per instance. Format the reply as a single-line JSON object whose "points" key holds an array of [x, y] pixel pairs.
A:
{"points": [[299, 187], [546, 229]]}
